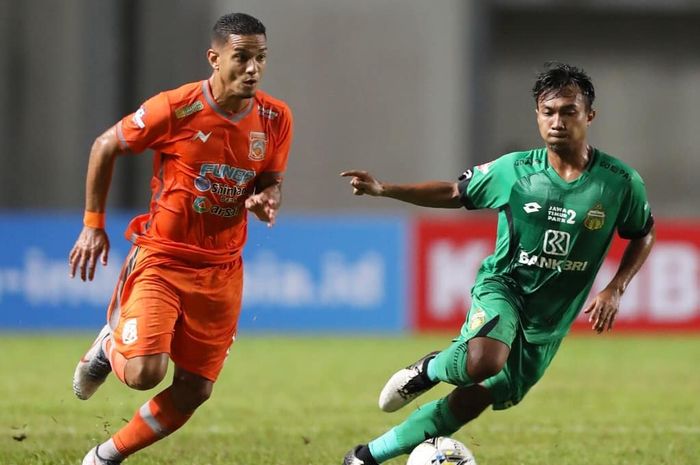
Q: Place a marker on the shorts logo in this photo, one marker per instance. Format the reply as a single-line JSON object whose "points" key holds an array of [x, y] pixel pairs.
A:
{"points": [[258, 145], [477, 319], [595, 218], [556, 242], [129, 333]]}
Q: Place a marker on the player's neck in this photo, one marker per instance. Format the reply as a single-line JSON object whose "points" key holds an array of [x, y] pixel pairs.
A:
{"points": [[569, 164], [229, 103]]}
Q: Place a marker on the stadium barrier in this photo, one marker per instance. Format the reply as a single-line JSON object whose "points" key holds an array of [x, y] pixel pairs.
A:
{"points": [[334, 273]]}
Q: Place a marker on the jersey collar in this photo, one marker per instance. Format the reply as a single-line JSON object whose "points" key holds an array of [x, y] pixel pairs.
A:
{"points": [[232, 117]]}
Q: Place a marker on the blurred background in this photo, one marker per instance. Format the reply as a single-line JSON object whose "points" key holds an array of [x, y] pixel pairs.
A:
{"points": [[408, 89]]}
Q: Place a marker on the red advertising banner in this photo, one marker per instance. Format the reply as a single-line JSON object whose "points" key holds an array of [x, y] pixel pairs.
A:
{"points": [[665, 294]]}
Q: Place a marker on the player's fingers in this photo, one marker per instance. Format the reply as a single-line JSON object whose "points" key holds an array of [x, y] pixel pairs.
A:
{"points": [[361, 185], [73, 265], [105, 254], [83, 265], [589, 307], [593, 311], [91, 265], [602, 320], [357, 191], [356, 173]]}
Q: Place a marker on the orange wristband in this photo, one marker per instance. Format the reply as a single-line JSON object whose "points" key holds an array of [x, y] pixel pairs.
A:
{"points": [[94, 220]]}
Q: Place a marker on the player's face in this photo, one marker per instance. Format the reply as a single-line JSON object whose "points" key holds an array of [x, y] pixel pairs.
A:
{"points": [[240, 63], [563, 119]]}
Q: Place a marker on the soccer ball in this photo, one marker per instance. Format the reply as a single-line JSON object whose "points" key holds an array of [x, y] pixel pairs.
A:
{"points": [[441, 451]]}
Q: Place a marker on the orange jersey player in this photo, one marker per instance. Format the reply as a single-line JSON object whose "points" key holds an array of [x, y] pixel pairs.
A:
{"points": [[221, 150]]}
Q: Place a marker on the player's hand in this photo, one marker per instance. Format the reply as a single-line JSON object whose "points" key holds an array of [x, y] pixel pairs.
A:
{"points": [[92, 244], [603, 310], [264, 205], [364, 183]]}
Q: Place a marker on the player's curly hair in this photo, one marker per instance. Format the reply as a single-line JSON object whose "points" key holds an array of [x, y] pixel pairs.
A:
{"points": [[559, 76], [237, 24]]}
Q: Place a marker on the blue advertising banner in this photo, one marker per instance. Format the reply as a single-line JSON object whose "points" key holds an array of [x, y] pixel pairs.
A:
{"points": [[313, 273], [308, 273]]}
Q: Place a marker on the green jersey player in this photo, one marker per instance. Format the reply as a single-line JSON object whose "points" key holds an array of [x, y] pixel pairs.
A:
{"points": [[558, 210]]}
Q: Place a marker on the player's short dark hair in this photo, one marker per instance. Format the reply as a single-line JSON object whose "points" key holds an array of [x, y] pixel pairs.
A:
{"points": [[559, 76], [236, 24]]}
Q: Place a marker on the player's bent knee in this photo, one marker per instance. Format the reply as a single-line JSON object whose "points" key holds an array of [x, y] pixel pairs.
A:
{"points": [[188, 396], [190, 390], [486, 357], [144, 373], [483, 368]]}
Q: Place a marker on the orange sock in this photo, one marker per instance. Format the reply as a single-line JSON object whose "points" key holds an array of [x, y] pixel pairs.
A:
{"points": [[153, 421], [116, 359]]}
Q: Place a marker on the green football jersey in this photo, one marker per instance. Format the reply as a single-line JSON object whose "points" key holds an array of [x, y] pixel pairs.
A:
{"points": [[552, 235]]}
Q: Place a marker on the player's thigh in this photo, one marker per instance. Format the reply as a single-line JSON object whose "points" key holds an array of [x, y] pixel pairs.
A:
{"points": [[492, 315], [209, 320], [526, 365], [145, 308]]}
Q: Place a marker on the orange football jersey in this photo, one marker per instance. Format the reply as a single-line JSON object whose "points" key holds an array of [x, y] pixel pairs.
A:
{"points": [[205, 166]]}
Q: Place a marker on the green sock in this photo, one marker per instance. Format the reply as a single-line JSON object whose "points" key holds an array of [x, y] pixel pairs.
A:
{"points": [[450, 366], [428, 421]]}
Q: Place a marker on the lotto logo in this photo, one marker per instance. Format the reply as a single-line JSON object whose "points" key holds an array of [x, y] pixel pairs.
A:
{"points": [[532, 207], [556, 242]]}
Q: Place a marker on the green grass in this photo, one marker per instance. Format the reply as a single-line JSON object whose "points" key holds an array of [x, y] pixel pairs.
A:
{"points": [[305, 401]]}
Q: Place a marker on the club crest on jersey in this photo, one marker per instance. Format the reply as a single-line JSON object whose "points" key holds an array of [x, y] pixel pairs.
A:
{"points": [[595, 218], [477, 319], [258, 145]]}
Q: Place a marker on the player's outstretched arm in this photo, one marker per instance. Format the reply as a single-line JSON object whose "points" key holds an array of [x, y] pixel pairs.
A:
{"points": [[93, 242], [603, 309], [435, 194]]}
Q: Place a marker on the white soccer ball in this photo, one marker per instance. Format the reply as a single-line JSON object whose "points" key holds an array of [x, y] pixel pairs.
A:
{"points": [[441, 451]]}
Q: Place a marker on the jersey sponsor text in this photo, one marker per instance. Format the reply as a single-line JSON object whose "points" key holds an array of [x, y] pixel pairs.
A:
{"points": [[551, 263]]}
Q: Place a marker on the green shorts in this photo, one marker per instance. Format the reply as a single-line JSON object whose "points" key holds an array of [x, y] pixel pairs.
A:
{"points": [[494, 315]]}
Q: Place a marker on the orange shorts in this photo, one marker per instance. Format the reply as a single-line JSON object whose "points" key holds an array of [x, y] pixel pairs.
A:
{"points": [[189, 311]]}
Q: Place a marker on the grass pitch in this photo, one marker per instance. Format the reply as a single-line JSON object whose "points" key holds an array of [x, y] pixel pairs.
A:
{"points": [[305, 401]]}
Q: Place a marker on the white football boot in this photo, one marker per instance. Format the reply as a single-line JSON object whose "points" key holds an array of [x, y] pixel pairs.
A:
{"points": [[407, 384], [91, 458], [92, 369]]}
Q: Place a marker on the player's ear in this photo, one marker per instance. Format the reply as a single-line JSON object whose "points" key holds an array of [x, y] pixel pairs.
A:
{"points": [[591, 115], [213, 58]]}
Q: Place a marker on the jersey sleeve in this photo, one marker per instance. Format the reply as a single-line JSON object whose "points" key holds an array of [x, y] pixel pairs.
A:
{"points": [[487, 185], [635, 218], [147, 127], [282, 140]]}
